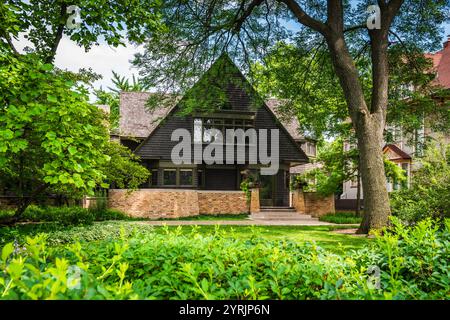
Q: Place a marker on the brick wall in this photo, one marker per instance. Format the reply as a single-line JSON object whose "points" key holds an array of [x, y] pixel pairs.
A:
{"points": [[174, 203], [316, 205], [222, 202], [155, 203]]}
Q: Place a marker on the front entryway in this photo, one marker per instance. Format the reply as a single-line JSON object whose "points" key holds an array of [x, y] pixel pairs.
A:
{"points": [[266, 193]]}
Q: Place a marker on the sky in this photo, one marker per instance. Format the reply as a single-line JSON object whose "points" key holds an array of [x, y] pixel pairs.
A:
{"points": [[103, 59]]}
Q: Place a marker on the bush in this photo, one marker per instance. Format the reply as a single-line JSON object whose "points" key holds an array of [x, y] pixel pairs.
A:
{"points": [[413, 264], [67, 215], [341, 218], [63, 215], [429, 195]]}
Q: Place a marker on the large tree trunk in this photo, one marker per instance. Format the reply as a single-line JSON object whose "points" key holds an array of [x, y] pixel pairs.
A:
{"points": [[376, 199], [358, 189], [368, 121]]}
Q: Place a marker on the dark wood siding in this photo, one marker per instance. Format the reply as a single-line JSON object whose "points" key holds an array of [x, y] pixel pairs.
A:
{"points": [[221, 179], [158, 145]]}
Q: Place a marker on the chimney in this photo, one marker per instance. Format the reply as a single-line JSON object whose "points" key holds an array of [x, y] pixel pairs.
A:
{"points": [[447, 42]]}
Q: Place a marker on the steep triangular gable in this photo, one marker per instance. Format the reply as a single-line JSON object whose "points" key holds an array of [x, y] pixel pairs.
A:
{"points": [[222, 88], [395, 153]]}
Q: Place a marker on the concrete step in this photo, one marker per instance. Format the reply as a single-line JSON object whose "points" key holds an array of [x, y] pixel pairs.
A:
{"points": [[280, 216], [277, 209]]}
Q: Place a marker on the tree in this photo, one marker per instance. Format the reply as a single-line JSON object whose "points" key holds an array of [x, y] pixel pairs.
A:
{"points": [[44, 142], [199, 32], [124, 169], [45, 23], [52, 139]]}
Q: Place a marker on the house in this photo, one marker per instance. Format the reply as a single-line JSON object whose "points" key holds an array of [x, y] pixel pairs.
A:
{"points": [[403, 149], [224, 100]]}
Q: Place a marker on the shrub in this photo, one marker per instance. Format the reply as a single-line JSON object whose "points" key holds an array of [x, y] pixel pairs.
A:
{"points": [[62, 215], [429, 195], [341, 218], [67, 215], [413, 264]]}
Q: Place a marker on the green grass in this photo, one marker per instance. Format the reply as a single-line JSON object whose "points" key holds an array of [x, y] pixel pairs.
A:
{"points": [[110, 230], [323, 236], [341, 218], [211, 217]]}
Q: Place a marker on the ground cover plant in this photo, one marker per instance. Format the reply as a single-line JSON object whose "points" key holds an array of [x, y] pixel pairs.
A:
{"points": [[174, 263]]}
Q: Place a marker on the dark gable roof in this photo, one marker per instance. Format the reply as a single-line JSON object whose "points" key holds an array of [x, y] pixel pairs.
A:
{"points": [[224, 89], [138, 122], [401, 154]]}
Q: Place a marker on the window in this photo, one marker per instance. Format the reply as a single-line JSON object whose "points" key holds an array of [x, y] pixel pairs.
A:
{"points": [[200, 178], [170, 177], [185, 177], [154, 177], [202, 127]]}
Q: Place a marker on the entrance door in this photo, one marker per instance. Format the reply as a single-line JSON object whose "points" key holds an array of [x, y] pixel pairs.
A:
{"points": [[266, 191]]}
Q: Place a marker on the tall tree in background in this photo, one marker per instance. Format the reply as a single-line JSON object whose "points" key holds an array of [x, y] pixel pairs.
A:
{"points": [[200, 31]]}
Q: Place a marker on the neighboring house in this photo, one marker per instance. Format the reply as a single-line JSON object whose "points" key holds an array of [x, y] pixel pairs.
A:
{"points": [[403, 149], [148, 134]]}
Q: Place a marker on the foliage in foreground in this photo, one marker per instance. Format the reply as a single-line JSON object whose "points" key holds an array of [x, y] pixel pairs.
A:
{"points": [[341, 218], [413, 264]]}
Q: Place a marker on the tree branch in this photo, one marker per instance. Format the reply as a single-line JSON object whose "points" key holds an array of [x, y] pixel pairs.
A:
{"points": [[379, 56], [239, 21], [10, 43], [335, 16], [306, 19], [58, 34]]}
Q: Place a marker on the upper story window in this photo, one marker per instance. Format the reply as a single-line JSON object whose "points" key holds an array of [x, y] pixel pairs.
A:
{"points": [[203, 132]]}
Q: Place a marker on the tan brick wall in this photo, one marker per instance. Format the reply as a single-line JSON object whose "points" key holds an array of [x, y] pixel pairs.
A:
{"points": [[174, 203], [222, 202], [298, 201], [316, 205], [155, 203], [254, 201]]}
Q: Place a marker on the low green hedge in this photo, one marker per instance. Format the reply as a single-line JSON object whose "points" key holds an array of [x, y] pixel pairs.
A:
{"points": [[412, 262], [67, 215], [341, 218]]}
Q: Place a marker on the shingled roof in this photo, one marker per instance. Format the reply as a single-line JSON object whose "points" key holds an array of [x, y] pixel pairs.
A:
{"points": [[441, 64], [138, 122]]}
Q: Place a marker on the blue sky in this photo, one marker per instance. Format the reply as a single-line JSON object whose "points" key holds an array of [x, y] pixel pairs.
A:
{"points": [[103, 58]]}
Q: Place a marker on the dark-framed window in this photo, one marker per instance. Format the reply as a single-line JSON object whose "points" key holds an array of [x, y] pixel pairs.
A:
{"points": [[154, 178], [170, 177], [201, 125], [200, 178], [186, 177]]}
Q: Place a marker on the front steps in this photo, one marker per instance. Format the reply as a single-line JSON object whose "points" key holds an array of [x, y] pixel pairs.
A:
{"points": [[280, 213]]}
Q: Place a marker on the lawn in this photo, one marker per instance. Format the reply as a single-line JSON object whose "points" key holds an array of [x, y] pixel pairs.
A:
{"points": [[323, 236], [211, 217]]}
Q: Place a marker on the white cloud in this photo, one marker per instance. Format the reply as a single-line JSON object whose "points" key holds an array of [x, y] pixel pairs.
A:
{"points": [[102, 59]]}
